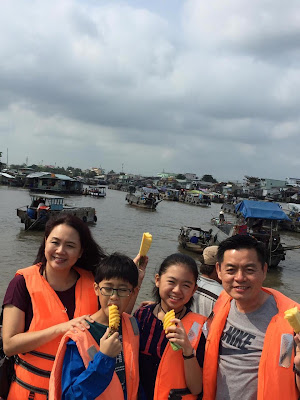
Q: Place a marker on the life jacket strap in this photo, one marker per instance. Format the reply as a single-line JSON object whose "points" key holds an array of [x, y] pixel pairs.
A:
{"points": [[33, 369], [31, 388], [177, 394], [42, 355]]}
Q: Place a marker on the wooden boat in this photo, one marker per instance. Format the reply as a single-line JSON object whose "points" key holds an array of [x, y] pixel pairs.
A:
{"points": [[171, 195], [259, 219], [35, 217], [95, 191], [293, 212], [198, 198], [195, 239], [146, 198]]}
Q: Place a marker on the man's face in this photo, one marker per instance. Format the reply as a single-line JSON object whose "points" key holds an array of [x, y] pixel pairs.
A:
{"points": [[242, 276]]}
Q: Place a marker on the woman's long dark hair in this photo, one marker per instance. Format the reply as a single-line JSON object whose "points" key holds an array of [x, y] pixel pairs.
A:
{"points": [[92, 253], [175, 259]]}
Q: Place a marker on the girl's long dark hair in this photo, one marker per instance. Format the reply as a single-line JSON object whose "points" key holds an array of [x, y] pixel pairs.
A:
{"points": [[92, 253], [175, 259]]}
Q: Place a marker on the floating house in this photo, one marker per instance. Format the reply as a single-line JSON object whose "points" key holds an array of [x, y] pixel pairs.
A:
{"points": [[53, 183]]}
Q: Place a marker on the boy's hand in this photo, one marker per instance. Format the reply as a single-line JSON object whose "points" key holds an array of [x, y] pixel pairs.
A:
{"points": [[110, 346]]}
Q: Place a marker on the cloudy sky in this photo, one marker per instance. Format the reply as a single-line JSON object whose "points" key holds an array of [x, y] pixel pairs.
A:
{"points": [[182, 86]]}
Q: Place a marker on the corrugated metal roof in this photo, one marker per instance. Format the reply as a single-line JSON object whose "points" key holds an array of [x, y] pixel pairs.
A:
{"points": [[7, 175], [50, 175]]}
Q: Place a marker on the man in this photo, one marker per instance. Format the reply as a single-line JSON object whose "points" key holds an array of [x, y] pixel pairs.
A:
{"points": [[209, 286], [250, 352]]}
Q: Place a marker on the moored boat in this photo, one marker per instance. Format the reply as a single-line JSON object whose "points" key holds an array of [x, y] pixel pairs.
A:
{"points": [[95, 191], [195, 239], [44, 206], [259, 219], [293, 212], [146, 198]]}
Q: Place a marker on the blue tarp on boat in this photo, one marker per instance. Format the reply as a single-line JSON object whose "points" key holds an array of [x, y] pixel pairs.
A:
{"points": [[261, 210]]}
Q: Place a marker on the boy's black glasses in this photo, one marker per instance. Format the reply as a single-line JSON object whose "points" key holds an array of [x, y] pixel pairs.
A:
{"points": [[109, 291]]}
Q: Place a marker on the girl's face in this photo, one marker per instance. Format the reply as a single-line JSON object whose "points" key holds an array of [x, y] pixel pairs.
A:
{"points": [[62, 247], [176, 286]]}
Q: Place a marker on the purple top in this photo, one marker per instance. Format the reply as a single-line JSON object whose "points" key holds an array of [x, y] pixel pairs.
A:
{"points": [[18, 295]]}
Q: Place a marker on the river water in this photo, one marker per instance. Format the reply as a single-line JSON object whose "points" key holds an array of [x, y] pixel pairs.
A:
{"points": [[120, 228]]}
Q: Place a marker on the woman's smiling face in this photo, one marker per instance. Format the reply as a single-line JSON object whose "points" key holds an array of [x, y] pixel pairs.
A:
{"points": [[62, 247], [176, 286]]}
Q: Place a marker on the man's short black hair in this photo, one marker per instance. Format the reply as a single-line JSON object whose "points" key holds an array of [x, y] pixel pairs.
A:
{"points": [[207, 269], [117, 266], [238, 242]]}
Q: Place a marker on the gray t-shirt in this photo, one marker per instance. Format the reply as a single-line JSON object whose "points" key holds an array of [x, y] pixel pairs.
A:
{"points": [[240, 350]]}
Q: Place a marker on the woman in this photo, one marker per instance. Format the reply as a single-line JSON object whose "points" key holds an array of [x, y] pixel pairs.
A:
{"points": [[45, 300]]}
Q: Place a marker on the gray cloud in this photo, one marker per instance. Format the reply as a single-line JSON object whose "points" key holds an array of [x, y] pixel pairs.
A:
{"points": [[204, 87]]}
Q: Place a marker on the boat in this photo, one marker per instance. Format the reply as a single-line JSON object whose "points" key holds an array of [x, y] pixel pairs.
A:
{"points": [[48, 182], [195, 239], [198, 198], [146, 198], [35, 216], [171, 195], [261, 220], [293, 212], [95, 191]]}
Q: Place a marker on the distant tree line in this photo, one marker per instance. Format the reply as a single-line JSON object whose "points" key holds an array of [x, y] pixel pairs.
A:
{"points": [[69, 171]]}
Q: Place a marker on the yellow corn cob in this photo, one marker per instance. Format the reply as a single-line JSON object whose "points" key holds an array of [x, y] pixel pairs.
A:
{"points": [[145, 244], [114, 318], [167, 323], [293, 317]]}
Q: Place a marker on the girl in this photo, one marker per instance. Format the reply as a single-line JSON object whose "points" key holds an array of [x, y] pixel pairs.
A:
{"points": [[165, 373]]}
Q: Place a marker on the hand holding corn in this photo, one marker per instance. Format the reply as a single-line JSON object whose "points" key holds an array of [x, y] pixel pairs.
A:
{"points": [[145, 244], [113, 318], [293, 317], [167, 323]]}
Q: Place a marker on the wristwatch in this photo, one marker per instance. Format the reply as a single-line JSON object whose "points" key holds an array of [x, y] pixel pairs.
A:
{"points": [[190, 356]]}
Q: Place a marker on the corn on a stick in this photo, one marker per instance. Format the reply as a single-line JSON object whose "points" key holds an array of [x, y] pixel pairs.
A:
{"points": [[145, 244], [167, 323], [113, 318], [293, 317]]}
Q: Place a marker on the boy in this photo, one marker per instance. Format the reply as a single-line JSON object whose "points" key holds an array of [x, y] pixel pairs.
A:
{"points": [[85, 370]]}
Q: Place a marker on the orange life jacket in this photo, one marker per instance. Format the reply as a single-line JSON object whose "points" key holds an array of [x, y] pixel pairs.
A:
{"points": [[274, 381], [170, 375], [87, 347], [33, 368]]}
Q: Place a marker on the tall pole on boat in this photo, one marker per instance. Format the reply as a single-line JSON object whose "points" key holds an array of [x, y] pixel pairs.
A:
{"points": [[7, 157]]}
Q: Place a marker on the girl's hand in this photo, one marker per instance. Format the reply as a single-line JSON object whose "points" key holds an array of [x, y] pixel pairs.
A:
{"points": [[76, 323], [297, 356], [110, 346], [177, 334]]}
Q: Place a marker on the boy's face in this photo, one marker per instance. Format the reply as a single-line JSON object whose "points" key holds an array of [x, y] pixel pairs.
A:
{"points": [[124, 289]]}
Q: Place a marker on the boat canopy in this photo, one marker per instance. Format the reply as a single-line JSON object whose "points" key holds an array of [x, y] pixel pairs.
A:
{"points": [[261, 210], [150, 190]]}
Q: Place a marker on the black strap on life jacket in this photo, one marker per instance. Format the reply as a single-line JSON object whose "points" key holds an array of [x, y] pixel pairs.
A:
{"points": [[42, 355], [177, 394], [31, 388], [32, 368]]}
